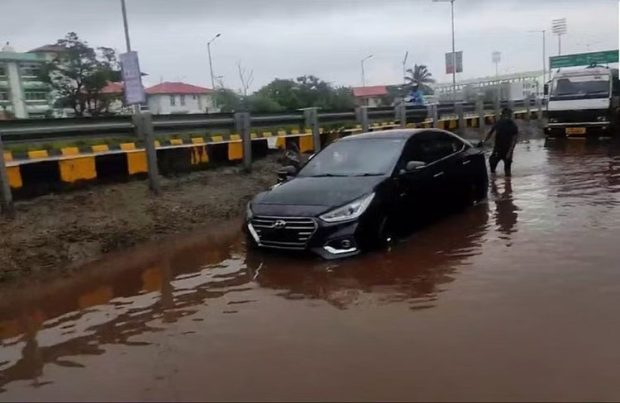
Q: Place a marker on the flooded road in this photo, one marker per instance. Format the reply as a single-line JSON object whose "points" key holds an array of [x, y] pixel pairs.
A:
{"points": [[514, 299]]}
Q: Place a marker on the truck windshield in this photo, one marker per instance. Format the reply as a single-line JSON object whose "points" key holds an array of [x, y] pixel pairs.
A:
{"points": [[363, 157], [581, 86]]}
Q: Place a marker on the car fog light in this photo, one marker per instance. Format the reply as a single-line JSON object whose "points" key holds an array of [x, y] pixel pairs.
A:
{"points": [[345, 244]]}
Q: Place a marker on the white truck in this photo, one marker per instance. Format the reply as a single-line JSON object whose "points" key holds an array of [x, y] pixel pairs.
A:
{"points": [[583, 102]]}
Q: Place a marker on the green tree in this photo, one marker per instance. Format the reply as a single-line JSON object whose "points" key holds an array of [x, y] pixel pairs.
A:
{"points": [[283, 92], [307, 91], [79, 73], [421, 76], [227, 100], [261, 104]]}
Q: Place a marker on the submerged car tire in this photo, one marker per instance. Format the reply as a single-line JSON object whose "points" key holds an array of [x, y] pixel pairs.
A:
{"points": [[385, 232], [250, 243]]}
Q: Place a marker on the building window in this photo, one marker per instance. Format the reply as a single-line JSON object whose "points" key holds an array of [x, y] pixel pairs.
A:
{"points": [[182, 100], [2, 70], [172, 100], [35, 96], [30, 69], [4, 95], [194, 97]]}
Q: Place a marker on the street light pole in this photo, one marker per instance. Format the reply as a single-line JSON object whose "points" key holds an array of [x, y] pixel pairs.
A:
{"points": [[136, 107], [143, 124], [558, 27], [453, 47], [125, 25], [363, 74], [210, 60]]}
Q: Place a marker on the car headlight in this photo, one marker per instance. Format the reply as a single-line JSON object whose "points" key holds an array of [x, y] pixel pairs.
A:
{"points": [[248, 211], [349, 211]]}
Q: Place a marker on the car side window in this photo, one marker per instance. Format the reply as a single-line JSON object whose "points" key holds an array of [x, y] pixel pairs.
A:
{"points": [[432, 146]]}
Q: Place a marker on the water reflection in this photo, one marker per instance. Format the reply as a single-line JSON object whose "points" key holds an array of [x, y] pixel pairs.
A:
{"points": [[505, 210], [412, 271], [143, 292]]}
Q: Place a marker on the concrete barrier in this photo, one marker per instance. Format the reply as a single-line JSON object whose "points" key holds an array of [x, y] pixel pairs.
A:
{"points": [[41, 171]]}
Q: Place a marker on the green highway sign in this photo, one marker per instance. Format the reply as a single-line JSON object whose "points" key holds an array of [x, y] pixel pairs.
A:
{"points": [[584, 59]]}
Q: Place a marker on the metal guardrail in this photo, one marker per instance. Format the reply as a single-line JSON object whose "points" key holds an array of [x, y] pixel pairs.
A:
{"points": [[37, 130]]}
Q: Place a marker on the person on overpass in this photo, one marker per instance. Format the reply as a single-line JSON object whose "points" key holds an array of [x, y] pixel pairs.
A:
{"points": [[506, 132]]}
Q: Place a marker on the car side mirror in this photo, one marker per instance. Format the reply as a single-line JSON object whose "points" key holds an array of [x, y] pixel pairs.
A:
{"points": [[414, 165], [546, 89], [286, 172]]}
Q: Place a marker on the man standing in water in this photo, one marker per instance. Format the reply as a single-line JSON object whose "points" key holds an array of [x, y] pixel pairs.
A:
{"points": [[506, 132]]}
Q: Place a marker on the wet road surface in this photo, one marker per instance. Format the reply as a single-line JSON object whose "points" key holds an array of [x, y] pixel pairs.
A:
{"points": [[514, 299]]}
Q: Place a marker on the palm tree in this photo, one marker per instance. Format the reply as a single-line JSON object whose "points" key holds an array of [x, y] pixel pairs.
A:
{"points": [[421, 76]]}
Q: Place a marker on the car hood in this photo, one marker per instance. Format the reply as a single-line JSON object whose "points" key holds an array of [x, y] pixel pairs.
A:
{"points": [[319, 194]]}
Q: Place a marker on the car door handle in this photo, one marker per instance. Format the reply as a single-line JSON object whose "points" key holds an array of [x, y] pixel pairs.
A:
{"points": [[438, 174], [466, 162]]}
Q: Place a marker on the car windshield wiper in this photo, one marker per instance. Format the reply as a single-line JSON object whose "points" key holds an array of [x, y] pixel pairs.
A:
{"points": [[370, 174]]}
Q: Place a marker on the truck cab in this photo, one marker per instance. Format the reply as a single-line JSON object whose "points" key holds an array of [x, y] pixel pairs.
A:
{"points": [[583, 102]]}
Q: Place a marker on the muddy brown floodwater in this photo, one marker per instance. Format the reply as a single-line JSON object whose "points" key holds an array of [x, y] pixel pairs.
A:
{"points": [[514, 299]]}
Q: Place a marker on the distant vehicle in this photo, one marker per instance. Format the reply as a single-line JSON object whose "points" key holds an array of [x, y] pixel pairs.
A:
{"points": [[363, 190], [583, 101]]}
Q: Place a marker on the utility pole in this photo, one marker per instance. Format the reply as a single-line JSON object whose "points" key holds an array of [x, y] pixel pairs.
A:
{"points": [[363, 75], [143, 123], [210, 60]]}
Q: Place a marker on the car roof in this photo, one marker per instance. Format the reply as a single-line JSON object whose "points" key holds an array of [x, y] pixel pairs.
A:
{"points": [[385, 134]]}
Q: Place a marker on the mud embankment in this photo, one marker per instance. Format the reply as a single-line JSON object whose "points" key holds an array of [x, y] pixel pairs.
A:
{"points": [[56, 233]]}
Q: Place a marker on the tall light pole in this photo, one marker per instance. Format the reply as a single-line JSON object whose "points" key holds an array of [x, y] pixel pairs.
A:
{"points": [[363, 75], [544, 51], [136, 107], [210, 60], [405, 67], [496, 56], [143, 122], [558, 27], [453, 51]]}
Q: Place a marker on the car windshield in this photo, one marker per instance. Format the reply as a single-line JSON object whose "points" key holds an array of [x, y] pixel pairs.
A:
{"points": [[582, 85], [364, 157]]}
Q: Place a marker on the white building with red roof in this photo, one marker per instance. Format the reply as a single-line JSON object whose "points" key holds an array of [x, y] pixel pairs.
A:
{"points": [[176, 97], [370, 96]]}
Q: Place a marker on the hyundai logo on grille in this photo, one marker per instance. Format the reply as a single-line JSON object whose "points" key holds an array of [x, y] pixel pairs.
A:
{"points": [[280, 224]]}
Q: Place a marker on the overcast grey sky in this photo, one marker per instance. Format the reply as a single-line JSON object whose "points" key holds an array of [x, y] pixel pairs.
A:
{"points": [[288, 38]]}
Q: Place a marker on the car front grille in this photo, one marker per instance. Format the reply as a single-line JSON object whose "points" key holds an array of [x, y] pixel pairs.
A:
{"points": [[284, 232]]}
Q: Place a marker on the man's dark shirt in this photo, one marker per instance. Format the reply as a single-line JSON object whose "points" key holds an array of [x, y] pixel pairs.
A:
{"points": [[505, 132]]}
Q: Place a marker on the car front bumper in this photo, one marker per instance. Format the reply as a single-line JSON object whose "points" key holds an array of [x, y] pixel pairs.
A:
{"points": [[329, 241]]}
